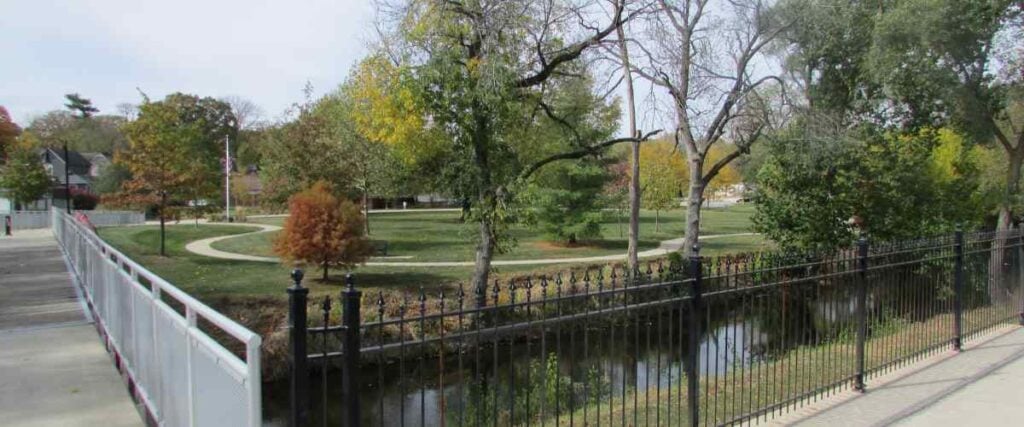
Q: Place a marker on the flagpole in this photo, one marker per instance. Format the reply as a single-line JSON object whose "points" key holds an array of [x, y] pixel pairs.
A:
{"points": [[227, 179]]}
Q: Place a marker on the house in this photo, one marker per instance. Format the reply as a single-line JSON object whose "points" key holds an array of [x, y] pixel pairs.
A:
{"points": [[82, 169]]}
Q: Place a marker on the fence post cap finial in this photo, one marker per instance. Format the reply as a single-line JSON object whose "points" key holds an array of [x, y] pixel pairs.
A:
{"points": [[297, 276], [695, 250], [350, 282]]}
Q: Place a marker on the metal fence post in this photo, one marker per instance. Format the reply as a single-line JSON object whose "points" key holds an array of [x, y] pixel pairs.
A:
{"points": [[958, 289], [297, 348], [693, 356], [1020, 269], [350, 299], [862, 322]]}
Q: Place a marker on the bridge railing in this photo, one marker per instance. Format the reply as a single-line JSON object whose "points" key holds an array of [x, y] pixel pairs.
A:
{"points": [[29, 220], [159, 337]]}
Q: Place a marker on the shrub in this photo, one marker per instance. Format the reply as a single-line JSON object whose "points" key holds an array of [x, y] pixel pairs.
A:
{"points": [[83, 200]]}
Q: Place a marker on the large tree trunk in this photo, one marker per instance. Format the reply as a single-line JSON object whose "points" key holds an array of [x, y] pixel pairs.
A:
{"points": [[694, 200], [486, 202], [634, 179], [484, 255], [998, 271]]}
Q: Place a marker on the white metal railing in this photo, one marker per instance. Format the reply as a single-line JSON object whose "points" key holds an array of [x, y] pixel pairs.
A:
{"points": [[182, 375], [28, 220]]}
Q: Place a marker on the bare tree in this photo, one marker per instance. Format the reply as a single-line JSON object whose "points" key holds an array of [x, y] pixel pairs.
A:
{"points": [[634, 154], [128, 110], [246, 112], [707, 56]]}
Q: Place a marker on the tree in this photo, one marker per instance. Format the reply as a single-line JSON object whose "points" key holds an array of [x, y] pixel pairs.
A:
{"points": [[728, 175], [480, 74], [819, 191], [82, 106], [298, 153], [111, 180], [662, 177], [23, 175], [323, 230], [941, 70], [248, 114], [100, 133], [704, 58], [565, 201], [634, 154], [825, 52], [9, 132], [175, 151]]}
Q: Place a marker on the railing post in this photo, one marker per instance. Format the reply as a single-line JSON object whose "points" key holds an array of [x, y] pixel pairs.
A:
{"points": [[350, 299], [862, 322], [297, 348], [958, 289], [693, 355]]}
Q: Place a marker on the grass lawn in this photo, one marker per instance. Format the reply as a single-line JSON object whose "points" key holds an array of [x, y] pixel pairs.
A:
{"points": [[412, 234], [439, 236]]}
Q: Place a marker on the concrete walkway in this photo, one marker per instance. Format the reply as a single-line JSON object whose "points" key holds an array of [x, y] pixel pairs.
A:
{"points": [[204, 247], [54, 370], [982, 386]]}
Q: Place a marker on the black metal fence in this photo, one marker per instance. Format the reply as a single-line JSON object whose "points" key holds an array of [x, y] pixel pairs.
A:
{"points": [[709, 341]]}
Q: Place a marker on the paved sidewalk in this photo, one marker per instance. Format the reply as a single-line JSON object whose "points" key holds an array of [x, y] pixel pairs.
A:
{"points": [[983, 386], [205, 247], [54, 370]]}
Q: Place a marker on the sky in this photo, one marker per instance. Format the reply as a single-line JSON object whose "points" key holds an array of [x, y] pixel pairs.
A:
{"points": [[108, 50]]}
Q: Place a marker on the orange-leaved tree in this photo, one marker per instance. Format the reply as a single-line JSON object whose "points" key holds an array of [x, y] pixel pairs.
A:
{"points": [[323, 230]]}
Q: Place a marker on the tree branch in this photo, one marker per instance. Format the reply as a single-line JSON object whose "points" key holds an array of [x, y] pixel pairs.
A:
{"points": [[586, 151], [574, 51]]}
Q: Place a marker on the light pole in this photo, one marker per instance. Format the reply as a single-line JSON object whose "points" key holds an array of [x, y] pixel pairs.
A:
{"points": [[67, 181]]}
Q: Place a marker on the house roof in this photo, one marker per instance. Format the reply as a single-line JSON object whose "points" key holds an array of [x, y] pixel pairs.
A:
{"points": [[76, 158]]}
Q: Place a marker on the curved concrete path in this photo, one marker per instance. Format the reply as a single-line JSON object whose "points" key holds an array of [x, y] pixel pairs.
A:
{"points": [[204, 247]]}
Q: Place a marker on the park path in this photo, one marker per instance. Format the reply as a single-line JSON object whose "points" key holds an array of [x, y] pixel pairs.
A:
{"points": [[54, 369], [982, 385], [204, 247]]}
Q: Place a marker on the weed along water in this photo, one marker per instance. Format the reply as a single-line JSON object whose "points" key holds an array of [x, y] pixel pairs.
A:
{"points": [[705, 342]]}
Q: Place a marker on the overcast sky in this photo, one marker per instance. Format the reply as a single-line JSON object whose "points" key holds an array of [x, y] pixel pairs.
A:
{"points": [[262, 50]]}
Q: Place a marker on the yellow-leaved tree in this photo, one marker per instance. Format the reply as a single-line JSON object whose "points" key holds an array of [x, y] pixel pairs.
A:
{"points": [[389, 112], [662, 177], [728, 176]]}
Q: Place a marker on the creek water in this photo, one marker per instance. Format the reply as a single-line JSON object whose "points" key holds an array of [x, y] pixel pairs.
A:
{"points": [[603, 363]]}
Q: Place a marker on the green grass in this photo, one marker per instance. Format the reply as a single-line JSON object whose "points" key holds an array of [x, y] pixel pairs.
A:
{"points": [[211, 279], [439, 236]]}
